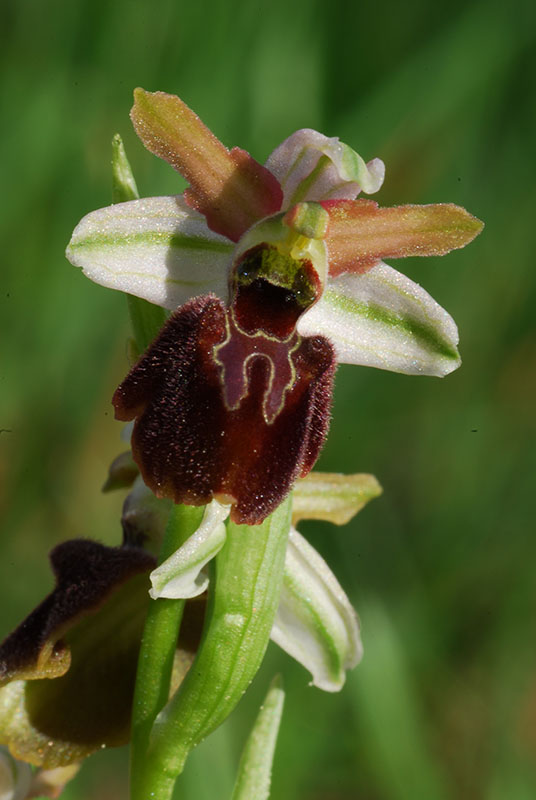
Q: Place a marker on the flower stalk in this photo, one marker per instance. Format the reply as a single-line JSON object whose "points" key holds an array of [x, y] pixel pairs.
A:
{"points": [[243, 599], [158, 646]]}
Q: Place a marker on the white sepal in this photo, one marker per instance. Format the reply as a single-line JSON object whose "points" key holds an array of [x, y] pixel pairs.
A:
{"points": [[340, 176], [181, 575], [315, 622], [157, 248], [383, 319]]}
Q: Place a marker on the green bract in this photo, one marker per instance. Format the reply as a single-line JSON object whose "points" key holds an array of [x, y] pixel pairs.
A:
{"points": [[255, 767]]}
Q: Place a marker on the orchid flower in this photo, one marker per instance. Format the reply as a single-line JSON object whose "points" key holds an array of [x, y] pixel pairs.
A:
{"points": [[274, 274]]}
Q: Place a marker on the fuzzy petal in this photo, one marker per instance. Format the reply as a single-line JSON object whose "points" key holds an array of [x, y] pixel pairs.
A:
{"points": [[229, 187], [383, 319], [311, 166], [67, 672], [315, 622], [157, 248], [181, 576], [360, 233]]}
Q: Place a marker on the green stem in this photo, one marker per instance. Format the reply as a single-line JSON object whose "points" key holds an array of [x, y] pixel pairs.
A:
{"points": [[146, 320], [243, 599], [157, 651]]}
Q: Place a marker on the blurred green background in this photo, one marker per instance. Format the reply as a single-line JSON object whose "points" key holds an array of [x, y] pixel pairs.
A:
{"points": [[442, 566]]}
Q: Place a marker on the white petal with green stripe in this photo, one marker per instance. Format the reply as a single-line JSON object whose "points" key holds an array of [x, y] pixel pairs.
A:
{"points": [[315, 622], [383, 319], [156, 248], [311, 166]]}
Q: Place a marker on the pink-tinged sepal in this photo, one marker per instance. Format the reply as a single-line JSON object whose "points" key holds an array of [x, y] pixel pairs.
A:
{"points": [[230, 188], [199, 436], [311, 166], [360, 234]]}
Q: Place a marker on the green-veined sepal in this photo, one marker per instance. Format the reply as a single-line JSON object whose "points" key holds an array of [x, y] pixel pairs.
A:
{"points": [[383, 319], [156, 248], [315, 622]]}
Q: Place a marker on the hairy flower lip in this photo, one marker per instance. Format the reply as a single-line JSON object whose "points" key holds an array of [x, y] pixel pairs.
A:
{"points": [[93, 572], [189, 437]]}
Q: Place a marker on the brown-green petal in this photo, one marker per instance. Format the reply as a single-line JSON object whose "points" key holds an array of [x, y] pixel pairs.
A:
{"points": [[230, 188], [360, 234]]}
